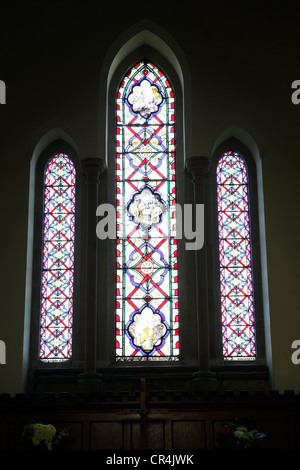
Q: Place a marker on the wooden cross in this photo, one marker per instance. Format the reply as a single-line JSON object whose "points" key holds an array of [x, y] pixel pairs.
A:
{"points": [[143, 412]]}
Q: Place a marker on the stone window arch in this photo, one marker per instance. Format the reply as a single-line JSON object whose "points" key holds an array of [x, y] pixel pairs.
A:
{"points": [[257, 361], [53, 297]]}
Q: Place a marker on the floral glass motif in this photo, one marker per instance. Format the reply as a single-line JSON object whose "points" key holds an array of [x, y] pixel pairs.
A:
{"points": [[237, 307], [58, 260], [146, 285]]}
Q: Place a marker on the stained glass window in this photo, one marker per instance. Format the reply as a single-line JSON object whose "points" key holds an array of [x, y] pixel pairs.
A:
{"points": [[58, 260], [237, 307], [147, 280]]}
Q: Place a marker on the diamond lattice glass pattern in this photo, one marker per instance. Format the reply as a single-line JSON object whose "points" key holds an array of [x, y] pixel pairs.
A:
{"points": [[147, 281], [58, 260], [237, 307]]}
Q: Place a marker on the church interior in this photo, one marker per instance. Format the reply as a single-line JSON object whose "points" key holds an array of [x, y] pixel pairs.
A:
{"points": [[225, 338]]}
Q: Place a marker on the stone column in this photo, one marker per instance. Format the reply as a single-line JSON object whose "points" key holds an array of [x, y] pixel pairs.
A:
{"points": [[198, 168], [90, 380]]}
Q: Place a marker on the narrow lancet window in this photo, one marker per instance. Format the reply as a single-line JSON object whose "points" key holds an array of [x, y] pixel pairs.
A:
{"points": [[147, 280], [235, 257], [58, 260]]}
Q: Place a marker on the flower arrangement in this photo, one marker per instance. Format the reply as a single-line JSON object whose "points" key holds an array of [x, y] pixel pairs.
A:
{"points": [[44, 436], [239, 435]]}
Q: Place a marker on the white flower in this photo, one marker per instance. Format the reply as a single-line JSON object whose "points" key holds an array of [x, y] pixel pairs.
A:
{"points": [[146, 208], [43, 433], [147, 329], [145, 98], [241, 433]]}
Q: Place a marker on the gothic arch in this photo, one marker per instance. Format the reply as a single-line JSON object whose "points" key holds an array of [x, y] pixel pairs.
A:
{"points": [[54, 141], [143, 40], [236, 139], [142, 34]]}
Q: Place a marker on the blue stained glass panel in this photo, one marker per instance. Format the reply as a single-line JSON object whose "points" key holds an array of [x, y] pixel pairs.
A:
{"points": [[58, 260], [236, 276], [147, 321]]}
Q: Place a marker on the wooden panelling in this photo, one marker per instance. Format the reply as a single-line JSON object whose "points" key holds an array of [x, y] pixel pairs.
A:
{"points": [[106, 435], [154, 434], [188, 434], [163, 423]]}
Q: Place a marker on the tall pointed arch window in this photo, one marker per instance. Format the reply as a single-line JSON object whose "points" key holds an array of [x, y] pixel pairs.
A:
{"points": [[56, 315], [147, 281], [235, 258]]}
